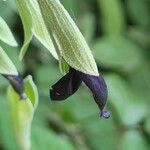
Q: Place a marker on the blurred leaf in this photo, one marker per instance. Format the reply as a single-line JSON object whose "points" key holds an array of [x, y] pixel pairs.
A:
{"points": [[73, 106], [147, 125], [118, 52], [22, 112], [141, 36], [3, 83], [39, 28], [75, 10], [139, 12], [87, 25], [70, 5], [113, 20], [70, 42], [83, 98], [46, 76], [6, 65], [133, 140], [27, 25], [9, 13], [140, 81], [44, 138], [5, 34], [47, 73], [99, 131], [129, 108]]}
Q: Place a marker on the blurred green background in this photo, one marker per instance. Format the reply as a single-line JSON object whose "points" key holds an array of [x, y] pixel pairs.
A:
{"points": [[118, 32]]}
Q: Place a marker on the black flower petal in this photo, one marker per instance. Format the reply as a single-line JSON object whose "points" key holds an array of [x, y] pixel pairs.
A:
{"points": [[99, 89], [66, 86], [17, 84]]}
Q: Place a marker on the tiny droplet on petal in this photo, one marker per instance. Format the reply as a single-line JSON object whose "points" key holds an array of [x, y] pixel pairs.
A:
{"points": [[105, 114]]}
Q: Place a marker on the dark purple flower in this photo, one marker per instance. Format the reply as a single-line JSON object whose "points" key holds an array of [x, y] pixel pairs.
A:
{"points": [[70, 83], [17, 84]]}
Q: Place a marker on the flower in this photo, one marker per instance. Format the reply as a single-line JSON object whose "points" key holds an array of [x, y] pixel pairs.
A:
{"points": [[70, 83], [73, 48], [17, 83]]}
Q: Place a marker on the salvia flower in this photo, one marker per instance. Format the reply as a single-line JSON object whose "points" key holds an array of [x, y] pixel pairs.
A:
{"points": [[16, 82], [73, 48], [70, 83]]}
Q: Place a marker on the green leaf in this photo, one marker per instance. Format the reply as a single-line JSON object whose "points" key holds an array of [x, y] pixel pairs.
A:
{"points": [[27, 25], [5, 34], [6, 65], [113, 20], [129, 108], [118, 52], [133, 139], [39, 29], [71, 43], [22, 112]]}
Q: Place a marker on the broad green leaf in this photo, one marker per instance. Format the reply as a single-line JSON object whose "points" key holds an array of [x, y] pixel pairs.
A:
{"points": [[112, 20], [71, 43], [39, 29], [27, 25], [118, 52], [5, 34], [6, 65], [129, 108], [22, 112], [133, 140]]}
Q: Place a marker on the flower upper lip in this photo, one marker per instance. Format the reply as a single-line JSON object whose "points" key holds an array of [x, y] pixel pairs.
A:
{"points": [[70, 83]]}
